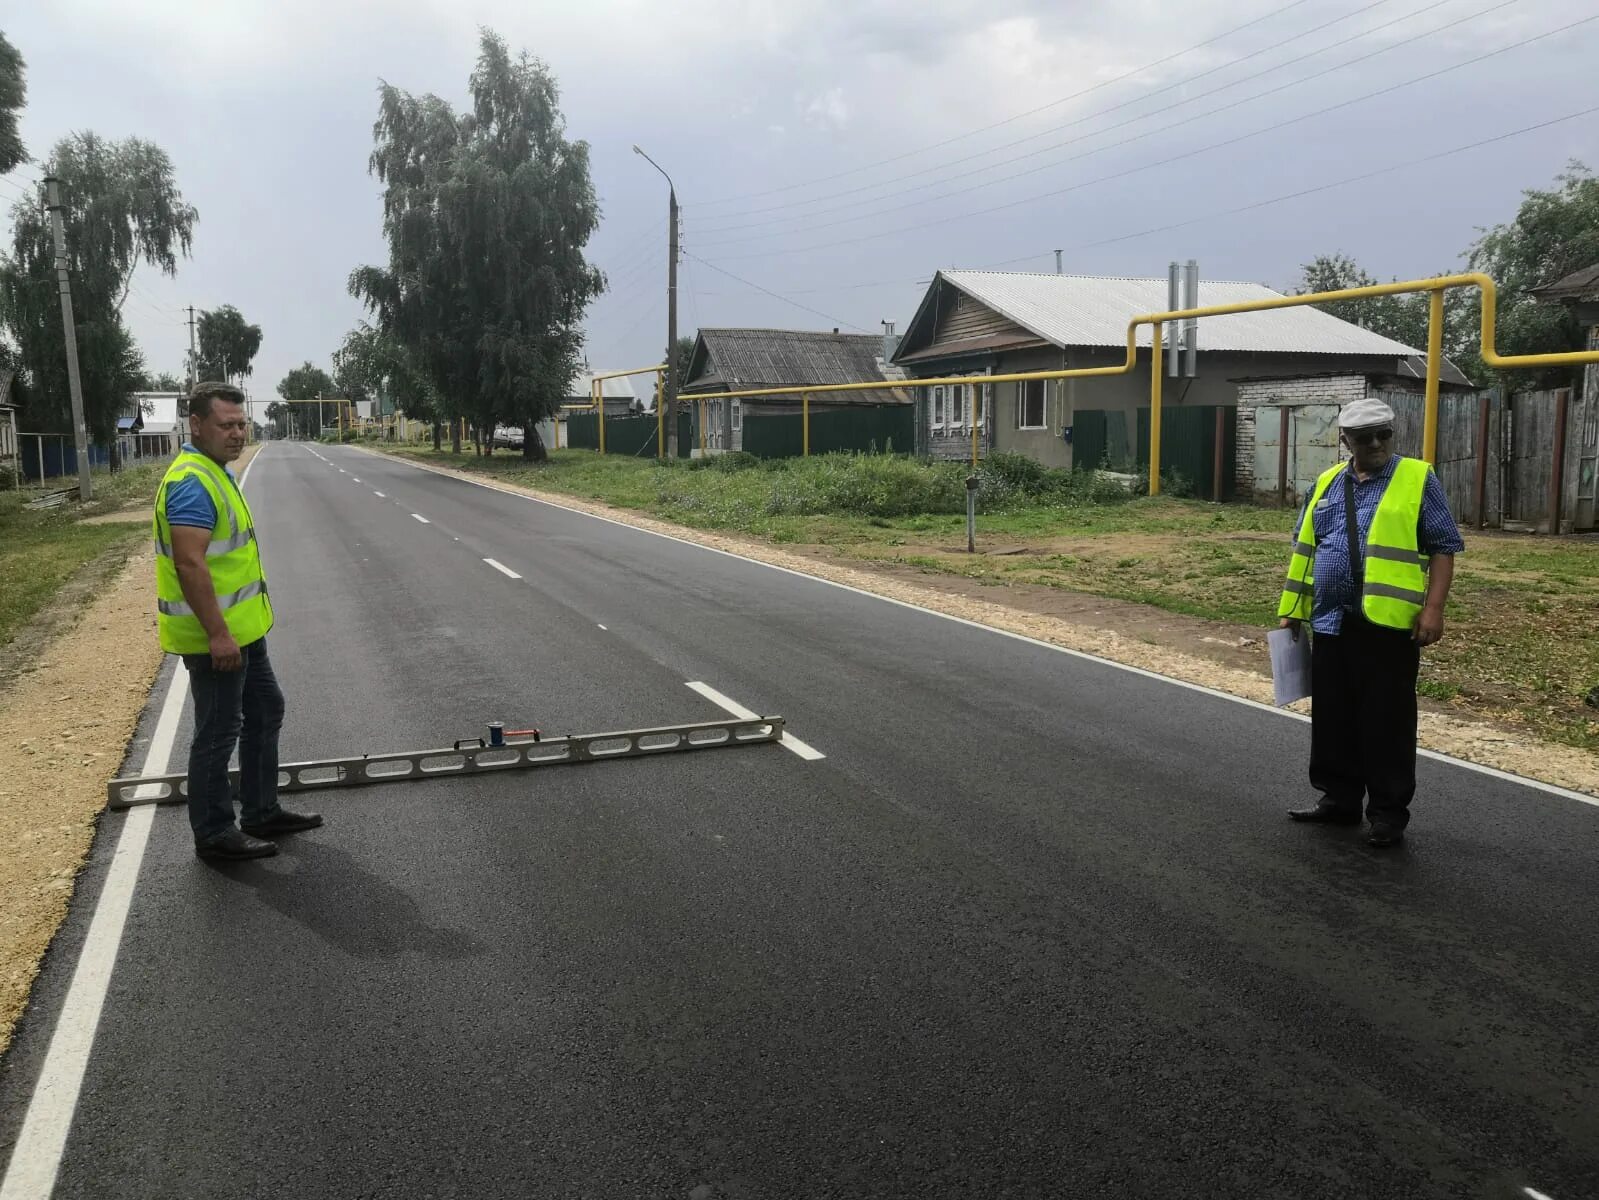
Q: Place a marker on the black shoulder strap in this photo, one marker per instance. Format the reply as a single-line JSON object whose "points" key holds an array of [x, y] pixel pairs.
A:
{"points": [[1357, 567]]}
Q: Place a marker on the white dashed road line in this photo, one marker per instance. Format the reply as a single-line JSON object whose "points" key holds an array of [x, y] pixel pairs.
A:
{"points": [[380, 495], [420, 517], [790, 742], [502, 569]]}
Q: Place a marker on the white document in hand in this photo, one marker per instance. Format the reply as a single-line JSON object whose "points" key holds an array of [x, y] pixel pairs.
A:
{"points": [[1290, 664]]}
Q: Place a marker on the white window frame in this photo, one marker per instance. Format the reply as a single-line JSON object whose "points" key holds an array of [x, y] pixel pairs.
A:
{"points": [[938, 409], [958, 411], [1043, 403], [738, 416], [983, 396]]}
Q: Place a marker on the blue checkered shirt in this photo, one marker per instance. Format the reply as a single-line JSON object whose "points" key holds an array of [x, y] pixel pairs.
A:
{"points": [[1335, 591]]}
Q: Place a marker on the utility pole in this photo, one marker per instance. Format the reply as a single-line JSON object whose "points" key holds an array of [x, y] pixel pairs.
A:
{"points": [[191, 347], [672, 380], [69, 328], [671, 306]]}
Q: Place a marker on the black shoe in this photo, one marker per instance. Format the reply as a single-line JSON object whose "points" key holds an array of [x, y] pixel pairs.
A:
{"points": [[1326, 813], [283, 821], [1385, 835], [235, 844]]}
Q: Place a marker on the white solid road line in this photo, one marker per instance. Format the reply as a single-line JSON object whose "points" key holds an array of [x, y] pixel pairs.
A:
{"points": [[790, 742], [420, 517], [36, 1158], [502, 568], [1552, 789]]}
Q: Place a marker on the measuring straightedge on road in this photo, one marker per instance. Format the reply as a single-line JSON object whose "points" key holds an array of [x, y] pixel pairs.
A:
{"points": [[497, 754]]}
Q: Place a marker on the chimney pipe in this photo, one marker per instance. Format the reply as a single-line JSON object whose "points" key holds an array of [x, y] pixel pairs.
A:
{"points": [[1057, 262], [890, 342]]}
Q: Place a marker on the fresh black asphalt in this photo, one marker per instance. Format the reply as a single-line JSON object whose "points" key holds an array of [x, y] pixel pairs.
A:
{"points": [[1036, 926]]}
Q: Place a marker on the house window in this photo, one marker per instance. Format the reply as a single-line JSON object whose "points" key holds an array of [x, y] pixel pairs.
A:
{"points": [[1030, 404], [938, 409], [957, 406], [982, 397], [738, 415]]}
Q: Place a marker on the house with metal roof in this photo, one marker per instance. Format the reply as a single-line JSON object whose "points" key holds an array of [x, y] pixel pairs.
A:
{"points": [[1001, 322], [727, 360], [619, 396]]}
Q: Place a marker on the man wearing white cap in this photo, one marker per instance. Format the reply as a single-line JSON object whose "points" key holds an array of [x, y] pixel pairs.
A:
{"points": [[1371, 569]]}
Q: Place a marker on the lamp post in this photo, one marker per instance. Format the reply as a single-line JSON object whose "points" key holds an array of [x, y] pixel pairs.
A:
{"points": [[671, 303]]}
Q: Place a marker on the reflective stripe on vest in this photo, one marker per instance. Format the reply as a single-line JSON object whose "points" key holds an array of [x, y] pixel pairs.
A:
{"points": [[233, 560], [1395, 585]]}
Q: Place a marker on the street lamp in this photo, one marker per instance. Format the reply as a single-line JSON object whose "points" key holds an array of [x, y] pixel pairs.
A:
{"points": [[671, 300]]}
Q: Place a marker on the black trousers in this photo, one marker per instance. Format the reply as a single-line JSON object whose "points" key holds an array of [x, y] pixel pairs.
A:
{"points": [[1363, 719]]}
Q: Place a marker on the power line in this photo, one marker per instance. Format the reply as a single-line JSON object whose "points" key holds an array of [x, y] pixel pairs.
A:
{"points": [[1101, 112], [1406, 164], [1175, 157], [740, 279], [1186, 100], [1019, 116]]}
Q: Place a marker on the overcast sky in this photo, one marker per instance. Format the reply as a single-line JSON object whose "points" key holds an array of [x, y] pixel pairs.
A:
{"points": [[804, 136]]}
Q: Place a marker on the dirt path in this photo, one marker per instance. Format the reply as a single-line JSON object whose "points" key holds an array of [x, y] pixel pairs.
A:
{"points": [[75, 692], [1229, 658]]}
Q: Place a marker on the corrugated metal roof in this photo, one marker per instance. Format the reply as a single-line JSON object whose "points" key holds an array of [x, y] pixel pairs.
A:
{"points": [[754, 358], [1088, 310]]}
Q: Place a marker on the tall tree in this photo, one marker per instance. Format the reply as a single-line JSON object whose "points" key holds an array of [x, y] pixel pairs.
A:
{"points": [[486, 214], [228, 343], [1403, 318], [307, 382], [13, 95], [165, 381], [377, 366], [121, 207], [1553, 233]]}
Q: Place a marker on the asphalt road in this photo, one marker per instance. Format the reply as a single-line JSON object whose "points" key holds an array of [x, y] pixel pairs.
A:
{"points": [[1035, 925]]}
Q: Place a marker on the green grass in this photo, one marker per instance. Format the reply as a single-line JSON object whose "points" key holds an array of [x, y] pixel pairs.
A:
{"points": [[1522, 627], [40, 550]]}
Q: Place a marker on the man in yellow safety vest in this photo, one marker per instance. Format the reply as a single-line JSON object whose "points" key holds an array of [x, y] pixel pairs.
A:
{"points": [[1371, 568], [213, 609]]}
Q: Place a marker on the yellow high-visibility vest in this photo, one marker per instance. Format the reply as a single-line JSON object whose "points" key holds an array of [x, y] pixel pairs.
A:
{"points": [[1396, 572], [233, 558]]}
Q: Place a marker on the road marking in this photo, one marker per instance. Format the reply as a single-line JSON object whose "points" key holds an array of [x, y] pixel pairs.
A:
{"points": [[380, 495], [342, 471], [790, 742], [353, 479], [606, 630], [420, 517], [36, 1157], [1535, 1194], [1552, 789], [502, 568]]}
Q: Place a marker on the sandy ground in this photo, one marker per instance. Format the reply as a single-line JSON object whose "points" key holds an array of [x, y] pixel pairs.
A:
{"points": [[1225, 657], [66, 716]]}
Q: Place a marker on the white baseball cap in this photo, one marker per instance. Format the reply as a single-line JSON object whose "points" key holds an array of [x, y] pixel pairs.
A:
{"points": [[1363, 414]]}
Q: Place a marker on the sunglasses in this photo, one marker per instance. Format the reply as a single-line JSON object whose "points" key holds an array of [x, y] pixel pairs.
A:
{"points": [[1369, 437]]}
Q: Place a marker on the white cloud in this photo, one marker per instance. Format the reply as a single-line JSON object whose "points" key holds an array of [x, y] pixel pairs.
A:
{"points": [[827, 109]]}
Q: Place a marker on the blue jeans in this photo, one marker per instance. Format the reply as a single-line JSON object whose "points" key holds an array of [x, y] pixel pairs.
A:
{"points": [[241, 708]]}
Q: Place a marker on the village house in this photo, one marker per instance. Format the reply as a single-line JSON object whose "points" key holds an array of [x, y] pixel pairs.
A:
{"points": [[1002, 322], [738, 359]]}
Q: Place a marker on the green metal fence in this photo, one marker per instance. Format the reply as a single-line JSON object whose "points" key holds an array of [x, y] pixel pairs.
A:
{"points": [[634, 436], [880, 429], [1188, 437]]}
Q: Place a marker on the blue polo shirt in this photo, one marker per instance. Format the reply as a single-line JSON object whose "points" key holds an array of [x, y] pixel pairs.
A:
{"points": [[188, 503], [1335, 590]]}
